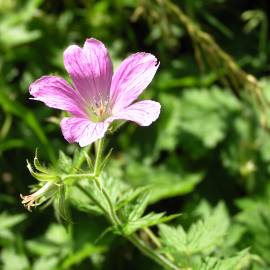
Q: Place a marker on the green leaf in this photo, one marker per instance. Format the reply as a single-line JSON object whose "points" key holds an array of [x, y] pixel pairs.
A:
{"points": [[85, 252], [64, 162], [131, 195], [203, 236], [204, 114], [148, 220], [162, 182], [12, 260], [169, 123], [13, 26], [8, 221], [46, 263], [255, 219], [138, 206], [55, 241], [239, 262], [80, 155], [114, 188]]}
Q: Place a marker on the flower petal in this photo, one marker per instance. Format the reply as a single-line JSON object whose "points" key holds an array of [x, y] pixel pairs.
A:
{"points": [[132, 77], [143, 113], [82, 130], [55, 92], [91, 70]]}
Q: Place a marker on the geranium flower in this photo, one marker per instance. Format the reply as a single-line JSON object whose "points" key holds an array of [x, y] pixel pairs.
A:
{"points": [[98, 96]]}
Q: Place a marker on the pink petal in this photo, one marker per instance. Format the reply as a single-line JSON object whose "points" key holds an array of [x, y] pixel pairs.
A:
{"points": [[143, 113], [82, 130], [55, 92], [91, 70], [132, 77]]}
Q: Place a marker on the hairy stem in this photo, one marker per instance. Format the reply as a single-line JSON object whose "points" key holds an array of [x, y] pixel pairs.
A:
{"points": [[79, 175], [151, 253], [99, 149], [133, 238], [112, 216], [152, 236]]}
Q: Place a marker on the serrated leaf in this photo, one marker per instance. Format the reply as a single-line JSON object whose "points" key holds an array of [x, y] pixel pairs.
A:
{"points": [[79, 157], [203, 236], [64, 162], [239, 262], [162, 182], [139, 206], [148, 220], [204, 114], [255, 220], [114, 188], [169, 123], [130, 195]]}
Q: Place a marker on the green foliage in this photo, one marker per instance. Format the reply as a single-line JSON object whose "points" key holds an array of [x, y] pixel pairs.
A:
{"points": [[254, 218], [240, 261], [131, 204], [12, 260], [13, 26], [163, 182], [208, 148], [7, 222], [205, 113], [54, 250], [134, 209], [203, 237]]}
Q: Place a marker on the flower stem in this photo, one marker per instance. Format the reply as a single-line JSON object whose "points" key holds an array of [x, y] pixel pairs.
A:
{"points": [[152, 236], [151, 253], [133, 238], [136, 241], [112, 216], [79, 175], [99, 149]]}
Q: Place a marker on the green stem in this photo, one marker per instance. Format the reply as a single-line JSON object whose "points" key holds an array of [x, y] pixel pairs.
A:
{"points": [[152, 236], [79, 175], [115, 220], [156, 241], [152, 254], [113, 214], [134, 239], [99, 149]]}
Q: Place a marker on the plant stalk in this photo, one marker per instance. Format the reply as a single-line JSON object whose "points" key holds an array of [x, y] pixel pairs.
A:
{"points": [[115, 220]]}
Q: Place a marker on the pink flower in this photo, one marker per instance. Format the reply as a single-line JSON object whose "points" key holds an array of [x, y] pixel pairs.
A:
{"points": [[98, 96]]}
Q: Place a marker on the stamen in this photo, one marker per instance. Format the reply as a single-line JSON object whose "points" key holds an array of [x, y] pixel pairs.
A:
{"points": [[99, 112], [38, 197]]}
